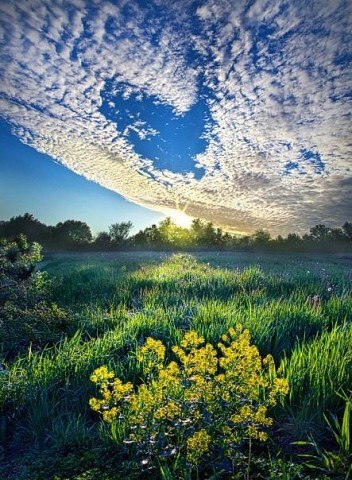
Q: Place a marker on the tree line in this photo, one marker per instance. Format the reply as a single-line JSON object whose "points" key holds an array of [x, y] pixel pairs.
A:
{"points": [[77, 235]]}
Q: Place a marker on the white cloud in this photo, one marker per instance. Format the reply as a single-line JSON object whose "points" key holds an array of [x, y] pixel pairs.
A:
{"points": [[276, 85]]}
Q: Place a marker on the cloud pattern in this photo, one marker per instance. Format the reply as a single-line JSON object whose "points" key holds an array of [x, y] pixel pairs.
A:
{"points": [[275, 78]]}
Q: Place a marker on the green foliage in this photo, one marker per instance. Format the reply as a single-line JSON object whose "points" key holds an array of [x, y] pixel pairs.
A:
{"points": [[26, 225], [337, 464], [119, 232], [76, 235], [119, 300], [72, 233], [196, 411], [26, 318], [347, 229]]}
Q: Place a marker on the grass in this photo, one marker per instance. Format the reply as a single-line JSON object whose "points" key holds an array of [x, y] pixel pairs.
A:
{"points": [[118, 300]]}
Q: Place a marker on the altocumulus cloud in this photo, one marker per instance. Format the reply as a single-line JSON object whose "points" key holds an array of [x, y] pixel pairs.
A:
{"points": [[274, 79]]}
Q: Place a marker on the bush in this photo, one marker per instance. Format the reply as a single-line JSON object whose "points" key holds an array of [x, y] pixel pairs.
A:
{"points": [[26, 315], [196, 412]]}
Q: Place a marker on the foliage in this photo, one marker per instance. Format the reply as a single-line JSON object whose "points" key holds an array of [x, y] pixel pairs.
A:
{"points": [[72, 233], [331, 462], [205, 404], [103, 241], [76, 235], [120, 299], [25, 315], [26, 225], [347, 229], [119, 232]]}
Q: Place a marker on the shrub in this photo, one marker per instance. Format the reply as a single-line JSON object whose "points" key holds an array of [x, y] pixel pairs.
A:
{"points": [[26, 315], [206, 404]]}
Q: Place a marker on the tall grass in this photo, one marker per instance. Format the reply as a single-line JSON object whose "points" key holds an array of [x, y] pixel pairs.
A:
{"points": [[319, 372], [117, 303]]}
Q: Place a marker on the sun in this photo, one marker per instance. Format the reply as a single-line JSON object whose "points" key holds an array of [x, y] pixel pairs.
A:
{"points": [[181, 218]]}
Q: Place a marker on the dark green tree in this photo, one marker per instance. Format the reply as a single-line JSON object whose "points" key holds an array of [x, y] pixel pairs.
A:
{"points": [[261, 237], [25, 224], [103, 241], [71, 233], [347, 229], [320, 233], [119, 232], [149, 237], [210, 235]]}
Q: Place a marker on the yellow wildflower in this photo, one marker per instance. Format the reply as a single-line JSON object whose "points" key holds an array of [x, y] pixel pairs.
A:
{"points": [[101, 374], [191, 339], [197, 446], [153, 348], [232, 387]]}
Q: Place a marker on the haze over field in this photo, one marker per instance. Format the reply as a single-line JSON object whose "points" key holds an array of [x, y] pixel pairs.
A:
{"points": [[236, 112]]}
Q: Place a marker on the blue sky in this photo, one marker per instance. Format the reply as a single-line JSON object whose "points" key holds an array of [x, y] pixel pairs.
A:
{"points": [[33, 182], [235, 112]]}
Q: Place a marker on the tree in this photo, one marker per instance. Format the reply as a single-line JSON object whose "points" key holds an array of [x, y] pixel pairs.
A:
{"points": [[261, 237], [197, 231], [103, 240], [166, 228], [150, 236], [227, 239], [72, 232], [210, 235], [219, 237], [23, 224], [347, 230], [119, 232], [337, 235], [320, 233], [172, 234], [204, 233]]}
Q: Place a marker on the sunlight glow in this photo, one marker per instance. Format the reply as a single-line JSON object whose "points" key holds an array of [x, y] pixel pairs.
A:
{"points": [[180, 218]]}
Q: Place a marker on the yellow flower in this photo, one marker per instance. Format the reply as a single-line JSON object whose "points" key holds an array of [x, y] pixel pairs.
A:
{"points": [[110, 415], [151, 354], [197, 446], [151, 347], [95, 404], [191, 339], [262, 436], [280, 386], [121, 390], [169, 411], [232, 386], [101, 374]]}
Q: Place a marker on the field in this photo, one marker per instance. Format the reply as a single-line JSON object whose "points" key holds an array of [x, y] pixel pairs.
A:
{"points": [[296, 308]]}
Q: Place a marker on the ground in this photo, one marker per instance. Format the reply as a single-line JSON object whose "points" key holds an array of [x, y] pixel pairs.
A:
{"points": [[297, 308]]}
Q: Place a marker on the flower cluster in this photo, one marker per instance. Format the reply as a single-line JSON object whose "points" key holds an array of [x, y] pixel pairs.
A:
{"points": [[114, 393], [151, 355], [207, 401], [197, 446]]}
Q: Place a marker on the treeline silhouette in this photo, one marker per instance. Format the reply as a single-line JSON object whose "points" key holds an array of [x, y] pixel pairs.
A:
{"points": [[74, 235]]}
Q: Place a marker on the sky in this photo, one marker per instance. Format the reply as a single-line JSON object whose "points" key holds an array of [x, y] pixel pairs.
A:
{"points": [[32, 182], [237, 112]]}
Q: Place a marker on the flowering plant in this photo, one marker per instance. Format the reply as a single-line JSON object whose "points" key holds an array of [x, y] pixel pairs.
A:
{"points": [[205, 403]]}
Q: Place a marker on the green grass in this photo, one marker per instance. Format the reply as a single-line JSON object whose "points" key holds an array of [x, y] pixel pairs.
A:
{"points": [[117, 300]]}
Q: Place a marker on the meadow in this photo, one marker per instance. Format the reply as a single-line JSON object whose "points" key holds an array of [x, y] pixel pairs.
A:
{"points": [[297, 308]]}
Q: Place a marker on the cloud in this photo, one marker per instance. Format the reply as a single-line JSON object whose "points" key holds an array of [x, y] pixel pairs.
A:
{"points": [[275, 76]]}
